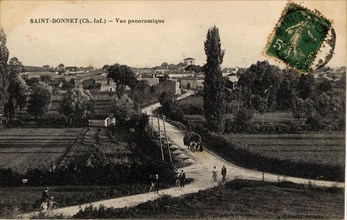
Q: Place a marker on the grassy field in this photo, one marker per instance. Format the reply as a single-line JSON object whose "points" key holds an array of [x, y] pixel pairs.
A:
{"points": [[24, 148], [237, 199], [115, 148], [319, 148]]}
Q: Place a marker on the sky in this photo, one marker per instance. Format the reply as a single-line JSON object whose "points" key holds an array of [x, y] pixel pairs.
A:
{"points": [[244, 28]]}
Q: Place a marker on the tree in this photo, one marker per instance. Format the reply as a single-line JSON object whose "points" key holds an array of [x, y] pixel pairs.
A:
{"points": [[17, 89], [61, 68], [243, 117], [165, 65], [77, 105], [193, 68], [305, 86], [124, 108], [140, 92], [214, 94], [40, 99], [324, 85], [68, 84], [18, 93], [46, 78], [302, 108], [32, 81], [259, 84], [170, 107], [323, 104], [4, 75], [105, 67], [166, 100], [123, 76], [285, 95]]}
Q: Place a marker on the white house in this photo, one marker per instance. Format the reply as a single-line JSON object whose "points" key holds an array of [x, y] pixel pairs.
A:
{"points": [[189, 61], [110, 121]]}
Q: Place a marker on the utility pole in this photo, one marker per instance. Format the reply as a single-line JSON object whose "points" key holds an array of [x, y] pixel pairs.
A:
{"points": [[161, 144], [167, 142]]}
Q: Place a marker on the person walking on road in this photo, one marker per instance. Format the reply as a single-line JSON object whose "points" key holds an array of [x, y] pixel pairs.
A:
{"points": [[224, 173], [182, 179], [156, 183], [214, 174]]}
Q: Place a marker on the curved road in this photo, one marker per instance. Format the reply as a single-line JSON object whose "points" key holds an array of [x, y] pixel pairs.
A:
{"points": [[201, 171]]}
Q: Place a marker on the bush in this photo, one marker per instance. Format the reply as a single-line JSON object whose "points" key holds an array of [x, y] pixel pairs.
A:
{"points": [[9, 178], [192, 109]]}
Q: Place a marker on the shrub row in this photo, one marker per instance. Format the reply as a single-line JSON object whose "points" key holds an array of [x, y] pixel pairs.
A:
{"points": [[253, 160], [278, 128]]}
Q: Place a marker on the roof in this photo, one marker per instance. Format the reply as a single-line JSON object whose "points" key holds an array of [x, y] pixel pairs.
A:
{"points": [[192, 78], [56, 81], [189, 58], [110, 116]]}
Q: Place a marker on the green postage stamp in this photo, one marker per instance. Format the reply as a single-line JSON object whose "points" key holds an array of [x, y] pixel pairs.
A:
{"points": [[298, 37]]}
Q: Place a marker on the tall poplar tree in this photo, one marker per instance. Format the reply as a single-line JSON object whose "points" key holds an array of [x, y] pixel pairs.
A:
{"points": [[4, 76], [214, 85]]}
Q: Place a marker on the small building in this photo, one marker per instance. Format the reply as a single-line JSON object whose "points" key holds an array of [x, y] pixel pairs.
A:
{"points": [[192, 83], [189, 61], [57, 82], [71, 68], [110, 121], [151, 81], [178, 75], [233, 79], [170, 86], [107, 84]]}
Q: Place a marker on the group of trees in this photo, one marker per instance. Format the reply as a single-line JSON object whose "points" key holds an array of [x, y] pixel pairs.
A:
{"points": [[265, 88], [127, 106], [77, 105], [170, 107], [15, 93]]}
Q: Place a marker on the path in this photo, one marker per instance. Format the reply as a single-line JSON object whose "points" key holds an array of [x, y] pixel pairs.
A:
{"points": [[201, 171]]}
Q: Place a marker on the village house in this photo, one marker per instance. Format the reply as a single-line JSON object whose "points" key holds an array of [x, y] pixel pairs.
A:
{"points": [[234, 79], [151, 81], [57, 82], [189, 61], [71, 68], [110, 121], [193, 83], [170, 86], [107, 84], [230, 71], [178, 75]]}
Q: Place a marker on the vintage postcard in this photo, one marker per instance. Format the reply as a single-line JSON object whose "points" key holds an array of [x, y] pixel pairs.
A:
{"points": [[172, 109]]}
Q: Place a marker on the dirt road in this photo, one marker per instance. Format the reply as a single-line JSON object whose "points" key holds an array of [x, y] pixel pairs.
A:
{"points": [[201, 171]]}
